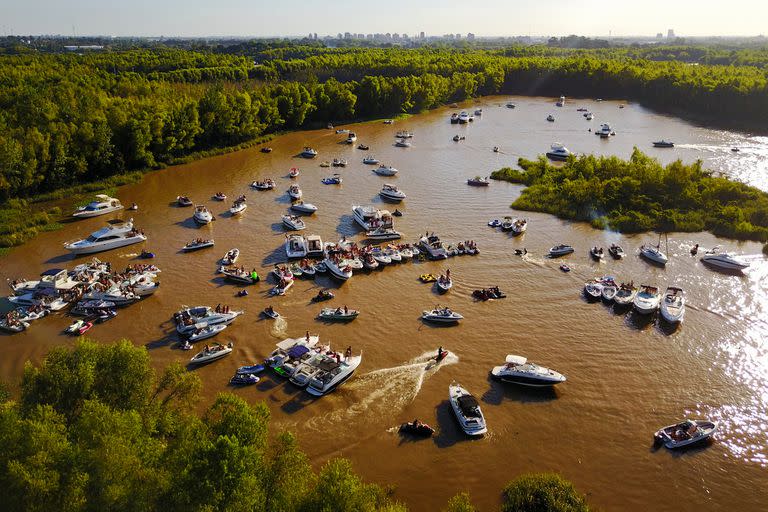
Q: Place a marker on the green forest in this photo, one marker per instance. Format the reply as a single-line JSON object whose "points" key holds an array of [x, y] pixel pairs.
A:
{"points": [[67, 120], [96, 428], [640, 194]]}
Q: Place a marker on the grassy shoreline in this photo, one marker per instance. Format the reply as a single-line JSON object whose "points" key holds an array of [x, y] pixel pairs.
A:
{"points": [[640, 195]]}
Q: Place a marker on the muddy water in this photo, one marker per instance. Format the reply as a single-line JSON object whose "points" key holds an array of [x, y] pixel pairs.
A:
{"points": [[626, 376]]}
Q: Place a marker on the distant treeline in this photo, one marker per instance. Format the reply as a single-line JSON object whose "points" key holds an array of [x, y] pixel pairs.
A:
{"points": [[66, 119], [640, 194]]}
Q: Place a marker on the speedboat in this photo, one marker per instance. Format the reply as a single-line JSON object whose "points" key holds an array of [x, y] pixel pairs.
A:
{"points": [[281, 287], [380, 256], [385, 170], [604, 131], [478, 181], [290, 353], [314, 246], [190, 319], [590, 116], [403, 143], [240, 276], [560, 102], [685, 433], [723, 260], [558, 152], [495, 223], [609, 289], [392, 193], [467, 410], [371, 218], [332, 374], [208, 354], [647, 300], [294, 192], [116, 234], [510, 105], [416, 428], [672, 305], [101, 206], [560, 250], [231, 257], [393, 254], [238, 207], [479, 112], [551, 118], [507, 223], [653, 254], [663, 144], [593, 289], [370, 160], [267, 184], [441, 315], [183, 201], [323, 295], [463, 118], [518, 370], [205, 332], [295, 246], [332, 180], [616, 251], [404, 134], [202, 215], [308, 152], [597, 253], [198, 244], [309, 366], [363, 147], [92, 307], [219, 196], [444, 283], [251, 369], [351, 138], [303, 207], [433, 247], [340, 270], [338, 314], [625, 295], [243, 379], [293, 223], [382, 234], [454, 118], [293, 173], [519, 226]]}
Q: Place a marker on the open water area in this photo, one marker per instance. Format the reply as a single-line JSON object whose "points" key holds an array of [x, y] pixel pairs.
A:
{"points": [[627, 375]]}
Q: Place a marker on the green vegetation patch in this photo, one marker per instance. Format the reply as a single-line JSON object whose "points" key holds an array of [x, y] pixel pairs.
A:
{"points": [[639, 195]]}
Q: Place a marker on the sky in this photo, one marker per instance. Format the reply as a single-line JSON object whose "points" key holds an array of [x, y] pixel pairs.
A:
{"points": [[260, 18]]}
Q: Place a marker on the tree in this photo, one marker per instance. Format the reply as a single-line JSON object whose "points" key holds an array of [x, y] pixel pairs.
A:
{"points": [[542, 492]]}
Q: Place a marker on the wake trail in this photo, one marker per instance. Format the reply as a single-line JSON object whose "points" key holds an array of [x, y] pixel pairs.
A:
{"points": [[279, 328]]}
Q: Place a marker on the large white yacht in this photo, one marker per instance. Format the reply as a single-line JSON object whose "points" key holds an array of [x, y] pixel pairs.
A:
{"points": [[370, 218], [392, 193], [467, 410], [604, 131], [518, 370], [102, 205], [558, 152], [332, 374], [723, 260], [117, 234], [385, 170], [190, 319], [295, 246], [308, 152], [290, 353]]}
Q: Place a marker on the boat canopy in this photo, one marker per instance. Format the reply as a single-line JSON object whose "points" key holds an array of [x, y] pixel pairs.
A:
{"points": [[512, 359], [468, 405], [297, 351], [52, 272]]}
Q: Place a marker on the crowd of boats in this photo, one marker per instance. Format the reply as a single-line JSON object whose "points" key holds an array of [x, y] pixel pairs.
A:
{"points": [[94, 290]]}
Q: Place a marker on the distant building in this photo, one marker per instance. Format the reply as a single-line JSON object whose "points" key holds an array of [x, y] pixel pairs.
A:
{"points": [[458, 36], [89, 47], [422, 35], [471, 36], [659, 36], [670, 33]]}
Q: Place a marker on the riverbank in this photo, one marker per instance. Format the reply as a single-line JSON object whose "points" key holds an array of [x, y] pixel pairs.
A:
{"points": [[639, 195]]}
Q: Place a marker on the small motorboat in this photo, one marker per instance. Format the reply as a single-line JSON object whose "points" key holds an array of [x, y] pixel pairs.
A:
{"points": [[371, 160], [647, 300], [206, 331], [616, 251], [383, 234], [339, 162], [202, 215], [198, 244], [242, 293], [597, 254], [511, 105], [551, 118], [478, 181], [146, 255], [392, 193], [16, 326], [519, 226], [267, 184], [338, 314], [625, 295], [303, 207], [388, 121], [491, 293], [385, 170], [560, 250], [363, 147], [663, 144], [243, 379], [293, 223], [294, 192], [308, 152], [240, 276], [351, 138], [467, 410], [238, 207], [266, 149], [404, 134], [735, 150], [507, 223], [325, 163], [323, 295], [416, 428], [441, 315], [134, 207], [672, 306], [593, 289], [219, 196], [332, 180], [427, 278], [565, 268], [231, 257], [685, 433], [609, 289], [250, 369], [495, 149], [208, 354], [495, 223], [403, 143], [397, 213], [517, 370], [444, 283], [479, 112]]}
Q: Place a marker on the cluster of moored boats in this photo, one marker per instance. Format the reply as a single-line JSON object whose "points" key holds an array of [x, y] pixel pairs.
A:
{"points": [[645, 300], [93, 289]]}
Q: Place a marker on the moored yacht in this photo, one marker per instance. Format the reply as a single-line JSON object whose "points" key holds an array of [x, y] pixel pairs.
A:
{"points": [[647, 300], [101, 206], [672, 305], [558, 152], [653, 254], [333, 373], [604, 131], [202, 215], [392, 193], [385, 170], [117, 234], [295, 246], [314, 246], [433, 247], [293, 222], [190, 319], [467, 410], [463, 118], [518, 370], [308, 152], [371, 218], [723, 260]]}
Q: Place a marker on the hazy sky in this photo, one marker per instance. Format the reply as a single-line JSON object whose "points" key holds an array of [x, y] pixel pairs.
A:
{"points": [[299, 17]]}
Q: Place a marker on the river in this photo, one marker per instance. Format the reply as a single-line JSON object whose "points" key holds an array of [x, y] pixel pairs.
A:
{"points": [[626, 377]]}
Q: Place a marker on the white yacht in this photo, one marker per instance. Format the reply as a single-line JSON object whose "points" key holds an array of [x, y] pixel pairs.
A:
{"points": [[101, 206], [590, 116], [303, 207], [723, 260], [403, 143], [604, 131], [371, 218], [351, 138], [314, 246], [672, 305], [340, 270], [392, 193], [558, 152], [332, 374], [685, 433], [381, 234], [308, 152], [190, 319], [518, 370], [293, 222], [653, 254], [208, 354], [441, 315], [433, 247], [647, 300], [463, 118], [308, 367], [202, 215], [560, 250], [117, 234], [467, 410], [371, 160], [385, 170], [290, 353], [295, 192], [295, 246]]}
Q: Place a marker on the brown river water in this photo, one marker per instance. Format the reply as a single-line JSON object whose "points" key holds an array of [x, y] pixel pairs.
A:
{"points": [[626, 376]]}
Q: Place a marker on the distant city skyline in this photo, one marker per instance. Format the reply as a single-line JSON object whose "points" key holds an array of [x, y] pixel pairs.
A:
{"points": [[296, 18]]}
